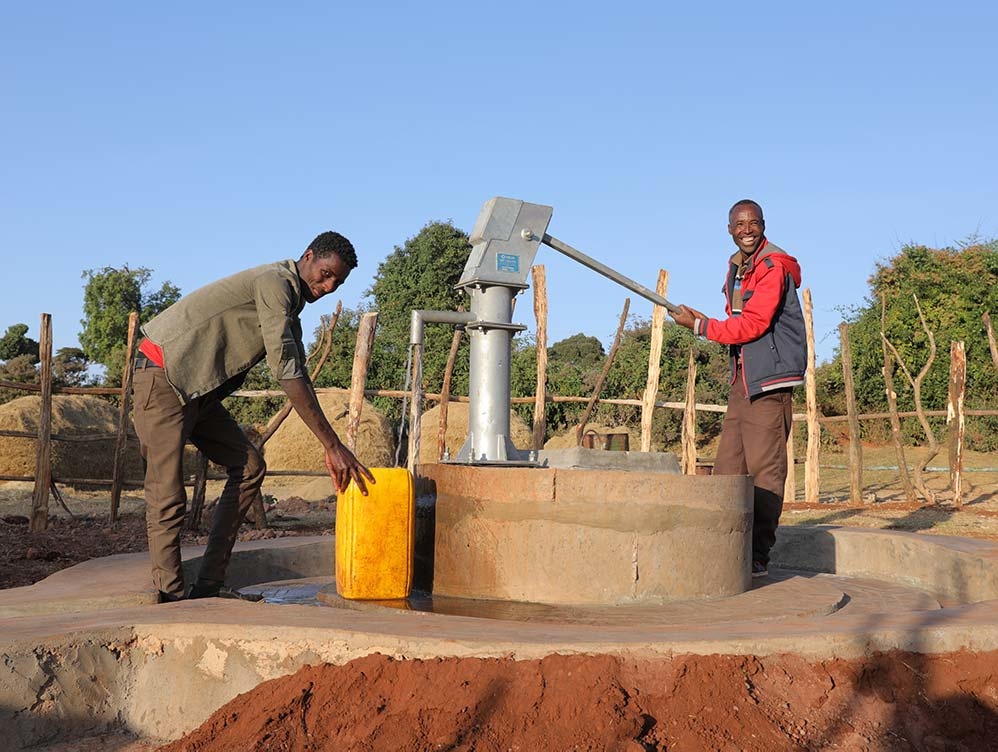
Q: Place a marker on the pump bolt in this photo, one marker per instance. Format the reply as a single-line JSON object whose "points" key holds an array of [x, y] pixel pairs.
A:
{"points": [[527, 234]]}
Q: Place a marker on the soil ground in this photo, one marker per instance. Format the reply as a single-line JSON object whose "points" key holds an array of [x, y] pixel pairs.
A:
{"points": [[896, 701], [26, 557], [885, 505], [885, 702]]}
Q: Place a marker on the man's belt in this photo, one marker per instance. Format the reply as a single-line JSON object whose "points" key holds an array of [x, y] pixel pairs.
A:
{"points": [[142, 362]]}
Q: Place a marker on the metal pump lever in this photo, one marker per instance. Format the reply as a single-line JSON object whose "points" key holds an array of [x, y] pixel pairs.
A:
{"points": [[605, 270]]}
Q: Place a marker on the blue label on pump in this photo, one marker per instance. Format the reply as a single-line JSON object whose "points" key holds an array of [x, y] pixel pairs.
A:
{"points": [[507, 262]]}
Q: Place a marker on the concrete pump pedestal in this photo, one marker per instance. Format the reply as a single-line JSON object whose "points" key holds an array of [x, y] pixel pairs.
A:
{"points": [[573, 536]]}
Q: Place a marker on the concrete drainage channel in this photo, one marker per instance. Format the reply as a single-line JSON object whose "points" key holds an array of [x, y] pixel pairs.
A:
{"points": [[84, 652]]}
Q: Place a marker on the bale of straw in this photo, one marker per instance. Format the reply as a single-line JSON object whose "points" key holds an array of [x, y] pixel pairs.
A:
{"points": [[72, 415], [294, 446]]}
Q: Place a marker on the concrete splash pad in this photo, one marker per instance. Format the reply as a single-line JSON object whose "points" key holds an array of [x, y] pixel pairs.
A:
{"points": [[87, 651], [84, 653]]}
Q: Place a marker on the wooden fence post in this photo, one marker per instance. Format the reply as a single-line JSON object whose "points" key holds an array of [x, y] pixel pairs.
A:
{"points": [[43, 455], [855, 439], [358, 376], [655, 366], [540, 392], [811, 471], [121, 437], [790, 484], [892, 406], [688, 437], [955, 417], [580, 429], [991, 338]]}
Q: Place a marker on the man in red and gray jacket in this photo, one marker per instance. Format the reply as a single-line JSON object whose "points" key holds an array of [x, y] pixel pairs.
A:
{"points": [[764, 331]]}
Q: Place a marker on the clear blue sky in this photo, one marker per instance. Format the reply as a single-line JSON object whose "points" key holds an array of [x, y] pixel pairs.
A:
{"points": [[199, 139]]}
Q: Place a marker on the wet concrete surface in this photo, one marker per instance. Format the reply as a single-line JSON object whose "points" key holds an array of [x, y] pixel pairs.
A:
{"points": [[783, 594]]}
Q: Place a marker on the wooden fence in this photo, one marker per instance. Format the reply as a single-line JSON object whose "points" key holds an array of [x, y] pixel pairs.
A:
{"points": [[955, 413]]}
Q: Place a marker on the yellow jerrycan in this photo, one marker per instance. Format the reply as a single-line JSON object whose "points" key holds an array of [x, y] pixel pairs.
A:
{"points": [[374, 537]]}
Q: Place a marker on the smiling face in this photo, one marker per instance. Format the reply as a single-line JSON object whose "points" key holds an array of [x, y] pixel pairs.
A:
{"points": [[321, 276], [746, 226]]}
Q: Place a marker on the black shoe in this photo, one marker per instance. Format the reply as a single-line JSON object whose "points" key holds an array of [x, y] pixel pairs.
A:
{"points": [[759, 569], [162, 597], [225, 592], [221, 591]]}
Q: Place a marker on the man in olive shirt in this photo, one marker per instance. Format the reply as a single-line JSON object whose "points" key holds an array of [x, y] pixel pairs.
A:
{"points": [[197, 352]]}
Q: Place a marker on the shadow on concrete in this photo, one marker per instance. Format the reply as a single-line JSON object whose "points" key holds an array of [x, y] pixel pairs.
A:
{"points": [[812, 552]]}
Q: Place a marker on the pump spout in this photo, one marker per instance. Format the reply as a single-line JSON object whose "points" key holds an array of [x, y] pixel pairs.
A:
{"points": [[457, 318]]}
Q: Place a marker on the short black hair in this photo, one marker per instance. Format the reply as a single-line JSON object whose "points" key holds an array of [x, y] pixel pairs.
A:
{"points": [[329, 243], [745, 202]]}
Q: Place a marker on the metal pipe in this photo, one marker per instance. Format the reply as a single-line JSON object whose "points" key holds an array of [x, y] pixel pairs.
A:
{"points": [[488, 377], [607, 272], [416, 322], [457, 318]]}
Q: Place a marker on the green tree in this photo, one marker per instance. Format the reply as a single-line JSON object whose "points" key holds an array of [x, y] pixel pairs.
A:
{"points": [[338, 369], [69, 367], [14, 343], [20, 356], [574, 364], [580, 351], [20, 369], [954, 286], [629, 376], [420, 274], [109, 296]]}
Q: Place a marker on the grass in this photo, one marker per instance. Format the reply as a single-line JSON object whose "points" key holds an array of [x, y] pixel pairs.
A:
{"points": [[885, 505]]}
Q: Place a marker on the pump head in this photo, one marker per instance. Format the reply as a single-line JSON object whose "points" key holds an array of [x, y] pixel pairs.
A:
{"points": [[504, 242]]}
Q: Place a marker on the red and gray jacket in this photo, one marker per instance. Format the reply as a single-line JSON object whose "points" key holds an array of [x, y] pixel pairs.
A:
{"points": [[769, 333]]}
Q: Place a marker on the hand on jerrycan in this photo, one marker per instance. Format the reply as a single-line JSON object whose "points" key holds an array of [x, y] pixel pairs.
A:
{"points": [[343, 467]]}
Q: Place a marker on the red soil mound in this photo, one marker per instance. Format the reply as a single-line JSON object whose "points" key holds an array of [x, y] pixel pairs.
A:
{"points": [[722, 702]]}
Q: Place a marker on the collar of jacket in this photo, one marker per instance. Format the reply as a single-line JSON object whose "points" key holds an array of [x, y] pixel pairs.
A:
{"points": [[756, 255]]}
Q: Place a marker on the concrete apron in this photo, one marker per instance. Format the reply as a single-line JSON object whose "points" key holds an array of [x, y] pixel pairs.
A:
{"points": [[83, 652]]}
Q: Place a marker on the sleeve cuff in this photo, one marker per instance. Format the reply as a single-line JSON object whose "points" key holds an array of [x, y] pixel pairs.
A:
{"points": [[700, 327]]}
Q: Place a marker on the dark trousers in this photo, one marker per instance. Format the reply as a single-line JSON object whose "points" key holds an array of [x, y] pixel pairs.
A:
{"points": [[164, 426], [754, 442]]}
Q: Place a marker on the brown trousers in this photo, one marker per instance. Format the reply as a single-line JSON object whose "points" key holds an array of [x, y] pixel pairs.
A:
{"points": [[164, 426], [754, 442]]}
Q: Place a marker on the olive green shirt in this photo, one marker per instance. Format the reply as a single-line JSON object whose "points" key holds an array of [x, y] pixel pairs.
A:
{"points": [[218, 332]]}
